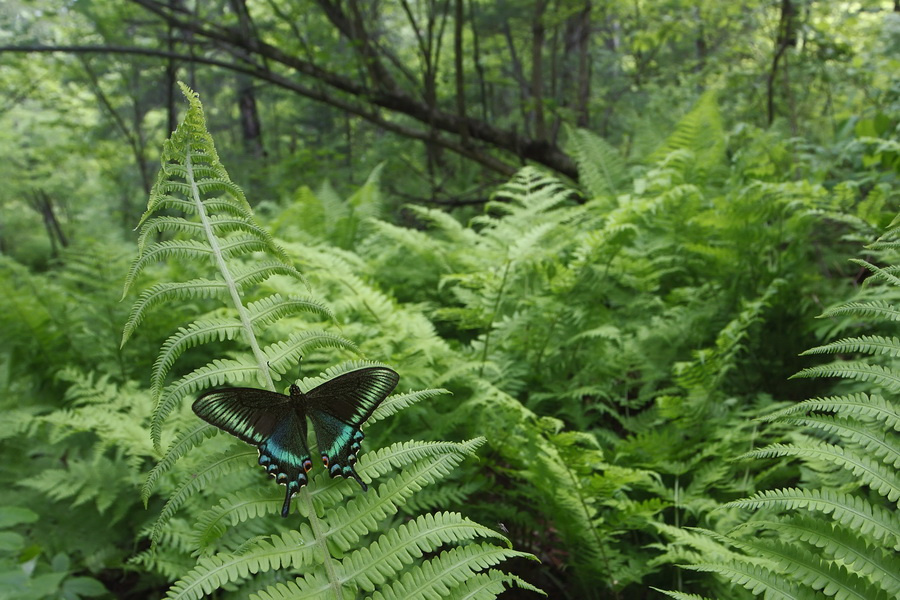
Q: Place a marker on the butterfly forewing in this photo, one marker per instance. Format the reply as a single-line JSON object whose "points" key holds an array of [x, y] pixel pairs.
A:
{"points": [[248, 413], [339, 407]]}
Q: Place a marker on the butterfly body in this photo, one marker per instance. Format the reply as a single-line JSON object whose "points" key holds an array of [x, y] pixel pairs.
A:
{"points": [[277, 424]]}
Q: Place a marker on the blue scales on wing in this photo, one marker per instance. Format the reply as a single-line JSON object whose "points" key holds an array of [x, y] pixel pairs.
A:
{"points": [[276, 424]]}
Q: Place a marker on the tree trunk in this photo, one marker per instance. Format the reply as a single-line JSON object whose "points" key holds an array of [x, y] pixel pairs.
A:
{"points": [[784, 39], [537, 70]]}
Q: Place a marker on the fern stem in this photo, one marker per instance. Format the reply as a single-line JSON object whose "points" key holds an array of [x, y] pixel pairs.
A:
{"points": [[490, 325], [265, 376], [321, 542], [577, 490]]}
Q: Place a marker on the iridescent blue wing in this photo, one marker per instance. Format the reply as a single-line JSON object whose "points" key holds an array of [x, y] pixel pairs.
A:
{"points": [[339, 407], [274, 423]]}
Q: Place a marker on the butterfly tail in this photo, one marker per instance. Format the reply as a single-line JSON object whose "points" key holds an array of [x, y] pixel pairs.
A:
{"points": [[362, 483], [286, 508]]}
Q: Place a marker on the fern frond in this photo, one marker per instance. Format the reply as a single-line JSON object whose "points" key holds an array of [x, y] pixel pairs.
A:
{"points": [[850, 511], [313, 586], [862, 406], [803, 567], [835, 541], [246, 276], [873, 442], [189, 207], [164, 292], [434, 579], [878, 309], [281, 356], [199, 332], [489, 585], [397, 402], [758, 579], [181, 446], [232, 510], [372, 566], [680, 595], [451, 228], [700, 131], [877, 272], [858, 370], [160, 224], [379, 462], [272, 308], [362, 514], [867, 344], [160, 251], [872, 473], [292, 549], [601, 168], [213, 469]]}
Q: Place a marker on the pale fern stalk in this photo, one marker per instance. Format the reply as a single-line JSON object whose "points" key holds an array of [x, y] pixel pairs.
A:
{"points": [[265, 376]]}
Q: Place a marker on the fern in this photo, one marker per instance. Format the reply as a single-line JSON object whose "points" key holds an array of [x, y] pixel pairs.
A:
{"points": [[350, 542], [600, 166], [852, 455]]}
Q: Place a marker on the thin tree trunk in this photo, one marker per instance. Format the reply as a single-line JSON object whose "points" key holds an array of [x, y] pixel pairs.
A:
{"points": [[458, 23], [43, 205], [537, 70], [581, 25], [479, 67], [785, 38], [251, 129]]}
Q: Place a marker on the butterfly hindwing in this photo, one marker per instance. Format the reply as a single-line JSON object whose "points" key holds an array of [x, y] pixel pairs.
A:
{"points": [[339, 407], [273, 422]]}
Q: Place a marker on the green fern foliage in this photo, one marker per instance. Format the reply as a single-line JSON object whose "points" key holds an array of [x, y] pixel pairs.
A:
{"points": [[601, 168], [343, 542], [837, 534]]}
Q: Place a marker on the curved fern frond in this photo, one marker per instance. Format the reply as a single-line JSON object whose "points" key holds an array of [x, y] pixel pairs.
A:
{"points": [[759, 580], [275, 307], [850, 511], [436, 578], [858, 370], [281, 356], [372, 566], [601, 168], [214, 469], [862, 406], [231, 511], [397, 402], [874, 443], [181, 446], [836, 542], [165, 292], [874, 308], [872, 473], [292, 549], [877, 272], [866, 344]]}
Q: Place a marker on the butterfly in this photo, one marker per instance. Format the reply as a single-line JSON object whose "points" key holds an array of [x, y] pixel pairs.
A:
{"points": [[276, 424]]}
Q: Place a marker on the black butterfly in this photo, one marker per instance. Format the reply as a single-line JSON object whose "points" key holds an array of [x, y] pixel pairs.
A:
{"points": [[276, 424]]}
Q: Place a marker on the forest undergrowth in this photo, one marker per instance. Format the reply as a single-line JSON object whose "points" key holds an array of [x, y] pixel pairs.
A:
{"points": [[597, 379]]}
